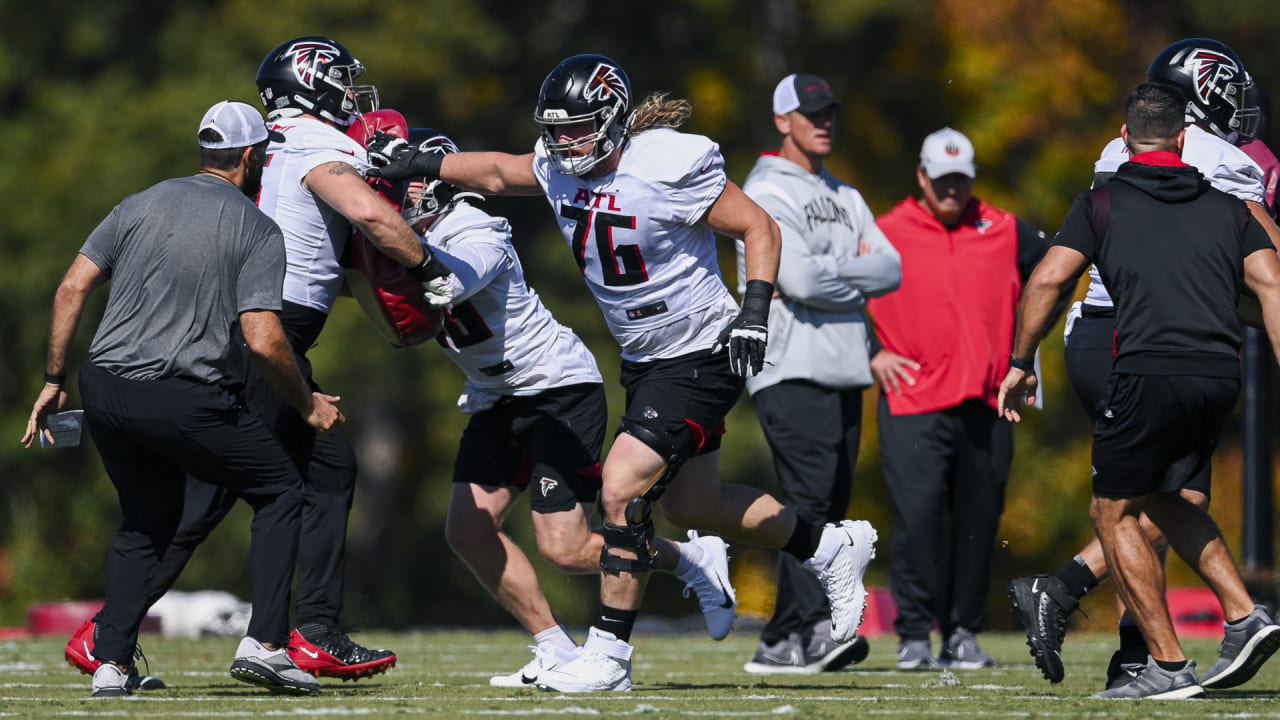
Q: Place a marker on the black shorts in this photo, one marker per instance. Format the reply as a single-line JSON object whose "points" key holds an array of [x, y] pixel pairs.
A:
{"points": [[555, 436], [1157, 432], [682, 401]]}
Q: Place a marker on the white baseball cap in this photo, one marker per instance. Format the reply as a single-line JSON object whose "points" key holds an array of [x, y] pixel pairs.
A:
{"points": [[947, 151], [238, 125]]}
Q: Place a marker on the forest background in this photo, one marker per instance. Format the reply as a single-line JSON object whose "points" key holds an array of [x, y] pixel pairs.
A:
{"points": [[98, 100]]}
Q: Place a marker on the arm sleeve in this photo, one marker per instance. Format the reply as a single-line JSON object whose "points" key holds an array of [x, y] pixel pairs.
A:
{"points": [[1076, 232], [260, 284], [103, 244], [1255, 238], [475, 263], [832, 281], [1032, 245], [700, 184]]}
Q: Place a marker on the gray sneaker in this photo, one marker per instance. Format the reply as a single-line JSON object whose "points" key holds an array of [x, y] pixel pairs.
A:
{"points": [[961, 652], [915, 655], [1246, 645], [784, 657], [1156, 683], [823, 654], [110, 681], [272, 669]]}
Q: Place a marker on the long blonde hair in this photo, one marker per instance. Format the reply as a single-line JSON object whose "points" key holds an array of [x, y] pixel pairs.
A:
{"points": [[657, 111]]}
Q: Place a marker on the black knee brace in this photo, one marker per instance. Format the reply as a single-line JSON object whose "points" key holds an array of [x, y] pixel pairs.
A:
{"points": [[636, 535]]}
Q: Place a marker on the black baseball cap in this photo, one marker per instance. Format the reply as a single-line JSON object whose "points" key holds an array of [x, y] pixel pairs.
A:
{"points": [[804, 92]]}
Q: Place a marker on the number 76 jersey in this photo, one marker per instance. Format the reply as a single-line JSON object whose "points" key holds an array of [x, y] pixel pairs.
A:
{"points": [[638, 239]]}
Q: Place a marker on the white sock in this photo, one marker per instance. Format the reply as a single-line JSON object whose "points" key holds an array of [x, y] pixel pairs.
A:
{"points": [[555, 635], [690, 556]]}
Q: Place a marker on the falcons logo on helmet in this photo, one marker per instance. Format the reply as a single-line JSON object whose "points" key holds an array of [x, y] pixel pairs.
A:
{"points": [[605, 85], [309, 59], [1211, 70]]}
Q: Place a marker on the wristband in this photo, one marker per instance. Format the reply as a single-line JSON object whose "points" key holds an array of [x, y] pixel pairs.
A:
{"points": [[756, 299], [51, 379], [1023, 365], [429, 165]]}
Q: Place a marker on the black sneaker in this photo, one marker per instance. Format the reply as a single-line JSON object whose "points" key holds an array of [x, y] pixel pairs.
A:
{"points": [[1156, 683], [1245, 647], [1042, 604], [1125, 665], [823, 654]]}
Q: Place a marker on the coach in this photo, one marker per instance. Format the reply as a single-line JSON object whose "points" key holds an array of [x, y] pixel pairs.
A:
{"points": [[1171, 249], [187, 258]]}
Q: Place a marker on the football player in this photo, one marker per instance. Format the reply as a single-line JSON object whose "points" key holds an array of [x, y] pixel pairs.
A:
{"points": [[639, 203]]}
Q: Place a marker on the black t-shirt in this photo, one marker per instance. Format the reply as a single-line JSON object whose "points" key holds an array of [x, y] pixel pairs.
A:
{"points": [[1172, 255]]}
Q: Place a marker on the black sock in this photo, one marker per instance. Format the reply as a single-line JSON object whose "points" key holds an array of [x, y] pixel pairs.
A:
{"points": [[618, 622], [804, 539], [1172, 665], [1078, 578], [1131, 636]]}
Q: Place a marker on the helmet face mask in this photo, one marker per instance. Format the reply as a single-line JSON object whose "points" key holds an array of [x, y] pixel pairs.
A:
{"points": [[1215, 83], [583, 89], [315, 75], [425, 198]]}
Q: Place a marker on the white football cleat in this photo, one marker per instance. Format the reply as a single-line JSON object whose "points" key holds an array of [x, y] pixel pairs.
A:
{"points": [[603, 665], [840, 561], [545, 657], [710, 581]]}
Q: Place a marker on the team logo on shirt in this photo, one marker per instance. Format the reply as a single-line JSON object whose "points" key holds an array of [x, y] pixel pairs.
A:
{"points": [[605, 85], [1211, 70], [309, 59]]}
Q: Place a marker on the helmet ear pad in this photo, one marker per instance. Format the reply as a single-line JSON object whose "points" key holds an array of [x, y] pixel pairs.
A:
{"points": [[584, 88]]}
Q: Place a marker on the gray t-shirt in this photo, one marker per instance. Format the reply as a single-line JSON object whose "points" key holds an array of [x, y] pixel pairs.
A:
{"points": [[185, 258]]}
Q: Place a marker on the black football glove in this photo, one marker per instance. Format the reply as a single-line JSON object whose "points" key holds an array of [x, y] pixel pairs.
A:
{"points": [[748, 335], [395, 159]]}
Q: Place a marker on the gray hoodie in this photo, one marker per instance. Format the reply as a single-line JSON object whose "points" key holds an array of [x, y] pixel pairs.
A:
{"points": [[817, 329]]}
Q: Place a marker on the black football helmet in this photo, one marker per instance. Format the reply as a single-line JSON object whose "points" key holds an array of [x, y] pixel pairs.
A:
{"points": [[315, 75], [584, 88], [437, 195], [1214, 81]]}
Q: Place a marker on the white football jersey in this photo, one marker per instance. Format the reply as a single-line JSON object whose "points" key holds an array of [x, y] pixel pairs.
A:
{"points": [[1224, 165], [637, 237], [498, 331], [314, 233]]}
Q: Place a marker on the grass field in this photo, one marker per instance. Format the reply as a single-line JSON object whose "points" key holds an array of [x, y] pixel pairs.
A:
{"points": [[445, 675]]}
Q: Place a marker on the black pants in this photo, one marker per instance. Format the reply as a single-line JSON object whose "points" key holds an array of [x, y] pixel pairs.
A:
{"points": [[151, 434], [951, 465], [327, 463], [813, 433]]}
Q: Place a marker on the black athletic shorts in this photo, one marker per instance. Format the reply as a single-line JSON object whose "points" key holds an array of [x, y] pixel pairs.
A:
{"points": [[1158, 431], [682, 401], [1088, 355], [551, 440]]}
